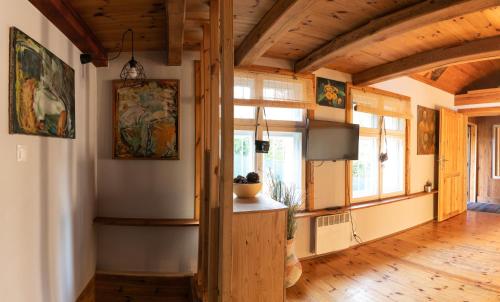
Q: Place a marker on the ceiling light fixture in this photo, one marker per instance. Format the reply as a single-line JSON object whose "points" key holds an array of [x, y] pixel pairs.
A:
{"points": [[132, 73]]}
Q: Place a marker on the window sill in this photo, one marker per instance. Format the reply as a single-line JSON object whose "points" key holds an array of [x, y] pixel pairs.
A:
{"points": [[362, 205]]}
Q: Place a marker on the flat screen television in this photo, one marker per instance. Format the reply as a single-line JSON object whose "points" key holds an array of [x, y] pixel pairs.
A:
{"points": [[330, 141]]}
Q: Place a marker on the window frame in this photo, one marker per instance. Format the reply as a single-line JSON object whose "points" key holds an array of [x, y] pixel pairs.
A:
{"points": [[276, 126], [404, 134]]}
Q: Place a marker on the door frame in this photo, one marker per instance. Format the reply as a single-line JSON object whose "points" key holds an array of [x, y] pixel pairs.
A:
{"points": [[472, 181]]}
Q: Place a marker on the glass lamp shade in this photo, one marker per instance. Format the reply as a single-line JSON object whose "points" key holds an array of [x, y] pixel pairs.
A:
{"points": [[132, 73]]}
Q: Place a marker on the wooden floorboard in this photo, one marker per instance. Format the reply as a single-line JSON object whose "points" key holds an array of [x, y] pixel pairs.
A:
{"points": [[456, 260]]}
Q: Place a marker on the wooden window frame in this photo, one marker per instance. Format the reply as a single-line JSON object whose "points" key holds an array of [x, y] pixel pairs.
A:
{"points": [[276, 126], [405, 134]]}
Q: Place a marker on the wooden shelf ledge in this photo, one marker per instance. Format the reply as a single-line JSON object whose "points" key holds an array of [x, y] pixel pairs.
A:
{"points": [[362, 205], [146, 222]]}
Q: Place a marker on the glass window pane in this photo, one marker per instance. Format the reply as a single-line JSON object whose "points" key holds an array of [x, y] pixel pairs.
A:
{"points": [[282, 90], [365, 120], [244, 88], [393, 168], [244, 112], [365, 169], [244, 152], [284, 114], [394, 123], [284, 159]]}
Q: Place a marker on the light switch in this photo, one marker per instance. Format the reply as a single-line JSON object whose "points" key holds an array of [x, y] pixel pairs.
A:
{"points": [[22, 153]]}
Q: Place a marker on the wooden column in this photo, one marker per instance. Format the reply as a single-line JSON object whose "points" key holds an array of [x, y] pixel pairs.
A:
{"points": [[348, 163], [213, 166], [310, 175], [203, 248], [227, 138]]}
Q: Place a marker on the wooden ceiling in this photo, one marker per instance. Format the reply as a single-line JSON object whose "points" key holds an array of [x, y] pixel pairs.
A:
{"points": [[108, 19], [461, 78], [373, 40]]}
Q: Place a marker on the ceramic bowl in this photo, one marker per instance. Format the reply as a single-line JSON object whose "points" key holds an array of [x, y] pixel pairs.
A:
{"points": [[247, 190]]}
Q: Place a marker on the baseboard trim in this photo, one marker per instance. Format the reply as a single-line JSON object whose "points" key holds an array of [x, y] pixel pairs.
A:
{"points": [[315, 256], [88, 293]]}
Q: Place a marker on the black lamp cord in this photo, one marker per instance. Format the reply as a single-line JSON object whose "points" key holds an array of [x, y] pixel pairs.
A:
{"points": [[121, 45]]}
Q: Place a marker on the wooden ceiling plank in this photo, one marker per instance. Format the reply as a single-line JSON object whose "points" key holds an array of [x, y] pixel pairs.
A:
{"points": [[277, 21], [71, 24], [483, 96], [397, 23], [478, 50], [485, 111], [176, 18]]}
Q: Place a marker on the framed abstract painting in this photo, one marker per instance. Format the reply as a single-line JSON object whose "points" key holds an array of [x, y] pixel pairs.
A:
{"points": [[427, 130], [146, 120], [41, 90]]}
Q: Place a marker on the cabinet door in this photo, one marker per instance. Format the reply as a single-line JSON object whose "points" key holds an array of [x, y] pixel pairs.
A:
{"points": [[259, 251]]}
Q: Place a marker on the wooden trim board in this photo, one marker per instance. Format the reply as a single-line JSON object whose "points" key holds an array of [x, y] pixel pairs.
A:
{"points": [[362, 205], [146, 222], [88, 293]]}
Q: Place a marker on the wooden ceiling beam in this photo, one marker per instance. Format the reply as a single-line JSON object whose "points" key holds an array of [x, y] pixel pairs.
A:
{"points": [[71, 24], [176, 18], [385, 27], [276, 22], [485, 111], [483, 96], [477, 50]]}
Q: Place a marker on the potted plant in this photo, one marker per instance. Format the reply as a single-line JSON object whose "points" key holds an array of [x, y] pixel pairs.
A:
{"points": [[247, 187], [428, 186], [288, 196]]}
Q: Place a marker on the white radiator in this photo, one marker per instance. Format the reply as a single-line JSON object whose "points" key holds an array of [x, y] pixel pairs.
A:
{"points": [[332, 233]]}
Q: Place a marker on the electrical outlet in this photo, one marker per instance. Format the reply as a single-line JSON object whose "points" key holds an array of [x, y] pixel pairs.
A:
{"points": [[22, 153]]}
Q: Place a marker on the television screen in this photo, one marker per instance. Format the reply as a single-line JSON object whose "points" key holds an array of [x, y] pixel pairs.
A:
{"points": [[332, 141]]}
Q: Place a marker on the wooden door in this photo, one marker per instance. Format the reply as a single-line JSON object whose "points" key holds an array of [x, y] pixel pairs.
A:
{"points": [[452, 164]]}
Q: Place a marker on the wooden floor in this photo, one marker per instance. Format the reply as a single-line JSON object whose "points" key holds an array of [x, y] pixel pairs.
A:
{"points": [[456, 260]]}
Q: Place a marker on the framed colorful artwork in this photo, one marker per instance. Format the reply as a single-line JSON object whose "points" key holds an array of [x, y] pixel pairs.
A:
{"points": [[427, 121], [330, 93], [146, 120], [41, 90]]}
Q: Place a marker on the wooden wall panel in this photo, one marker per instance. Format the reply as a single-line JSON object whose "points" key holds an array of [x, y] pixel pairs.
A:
{"points": [[488, 189]]}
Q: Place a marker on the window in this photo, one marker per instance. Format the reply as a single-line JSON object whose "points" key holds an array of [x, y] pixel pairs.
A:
{"points": [[280, 100], [382, 129]]}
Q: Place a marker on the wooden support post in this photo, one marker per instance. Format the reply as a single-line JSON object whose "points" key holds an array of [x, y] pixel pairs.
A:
{"points": [[407, 156], [227, 138], [213, 166], [310, 175], [203, 248], [348, 163]]}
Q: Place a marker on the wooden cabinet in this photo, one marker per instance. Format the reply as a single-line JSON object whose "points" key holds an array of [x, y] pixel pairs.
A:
{"points": [[259, 250]]}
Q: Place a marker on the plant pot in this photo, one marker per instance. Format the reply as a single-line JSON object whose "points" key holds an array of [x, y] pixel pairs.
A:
{"points": [[247, 190], [428, 189], [293, 268]]}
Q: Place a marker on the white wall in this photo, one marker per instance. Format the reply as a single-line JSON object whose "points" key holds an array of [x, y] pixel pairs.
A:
{"points": [[375, 222], [147, 189], [47, 204]]}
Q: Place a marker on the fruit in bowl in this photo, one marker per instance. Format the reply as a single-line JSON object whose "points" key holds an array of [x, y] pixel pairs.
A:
{"points": [[247, 187]]}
